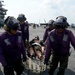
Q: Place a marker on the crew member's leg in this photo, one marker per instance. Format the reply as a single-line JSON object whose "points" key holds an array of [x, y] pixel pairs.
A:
{"points": [[53, 64], [63, 65], [18, 66]]}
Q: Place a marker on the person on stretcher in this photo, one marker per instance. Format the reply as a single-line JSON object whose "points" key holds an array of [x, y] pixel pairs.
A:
{"points": [[36, 48]]}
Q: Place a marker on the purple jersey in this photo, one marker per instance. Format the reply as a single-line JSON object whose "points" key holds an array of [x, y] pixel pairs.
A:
{"points": [[25, 31], [60, 44], [46, 34], [11, 47]]}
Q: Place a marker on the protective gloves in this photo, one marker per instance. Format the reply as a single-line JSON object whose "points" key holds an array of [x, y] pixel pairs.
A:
{"points": [[24, 59], [46, 61]]}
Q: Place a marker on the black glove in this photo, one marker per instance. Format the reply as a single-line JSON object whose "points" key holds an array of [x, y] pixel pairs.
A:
{"points": [[46, 62], [24, 59], [8, 68]]}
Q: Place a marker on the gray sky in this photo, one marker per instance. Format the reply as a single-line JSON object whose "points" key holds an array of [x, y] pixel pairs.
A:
{"points": [[39, 10]]}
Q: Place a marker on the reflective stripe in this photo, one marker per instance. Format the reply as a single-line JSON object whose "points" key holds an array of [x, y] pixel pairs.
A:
{"points": [[25, 28], [7, 41], [65, 37], [19, 39], [51, 38]]}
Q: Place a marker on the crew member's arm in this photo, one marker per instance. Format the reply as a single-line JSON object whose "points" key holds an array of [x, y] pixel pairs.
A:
{"points": [[72, 39], [28, 32], [2, 59], [48, 50], [45, 36]]}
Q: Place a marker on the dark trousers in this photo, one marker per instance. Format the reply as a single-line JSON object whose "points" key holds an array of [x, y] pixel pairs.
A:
{"points": [[16, 66], [63, 62]]}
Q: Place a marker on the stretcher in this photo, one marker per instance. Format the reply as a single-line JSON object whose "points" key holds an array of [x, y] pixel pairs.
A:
{"points": [[35, 65]]}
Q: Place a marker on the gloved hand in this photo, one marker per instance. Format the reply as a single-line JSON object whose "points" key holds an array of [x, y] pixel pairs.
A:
{"points": [[8, 70], [8, 67], [46, 61], [24, 59]]}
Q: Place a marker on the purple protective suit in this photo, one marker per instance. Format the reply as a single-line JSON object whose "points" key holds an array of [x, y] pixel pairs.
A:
{"points": [[25, 31], [11, 47], [46, 34], [60, 44]]}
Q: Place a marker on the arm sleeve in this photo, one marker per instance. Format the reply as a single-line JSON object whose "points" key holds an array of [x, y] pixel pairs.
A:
{"points": [[45, 36], [28, 32], [23, 49], [48, 49], [2, 59], [72, 39]]}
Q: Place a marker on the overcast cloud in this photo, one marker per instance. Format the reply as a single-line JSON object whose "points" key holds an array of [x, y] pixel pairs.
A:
{"points": [[40, 10]]}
